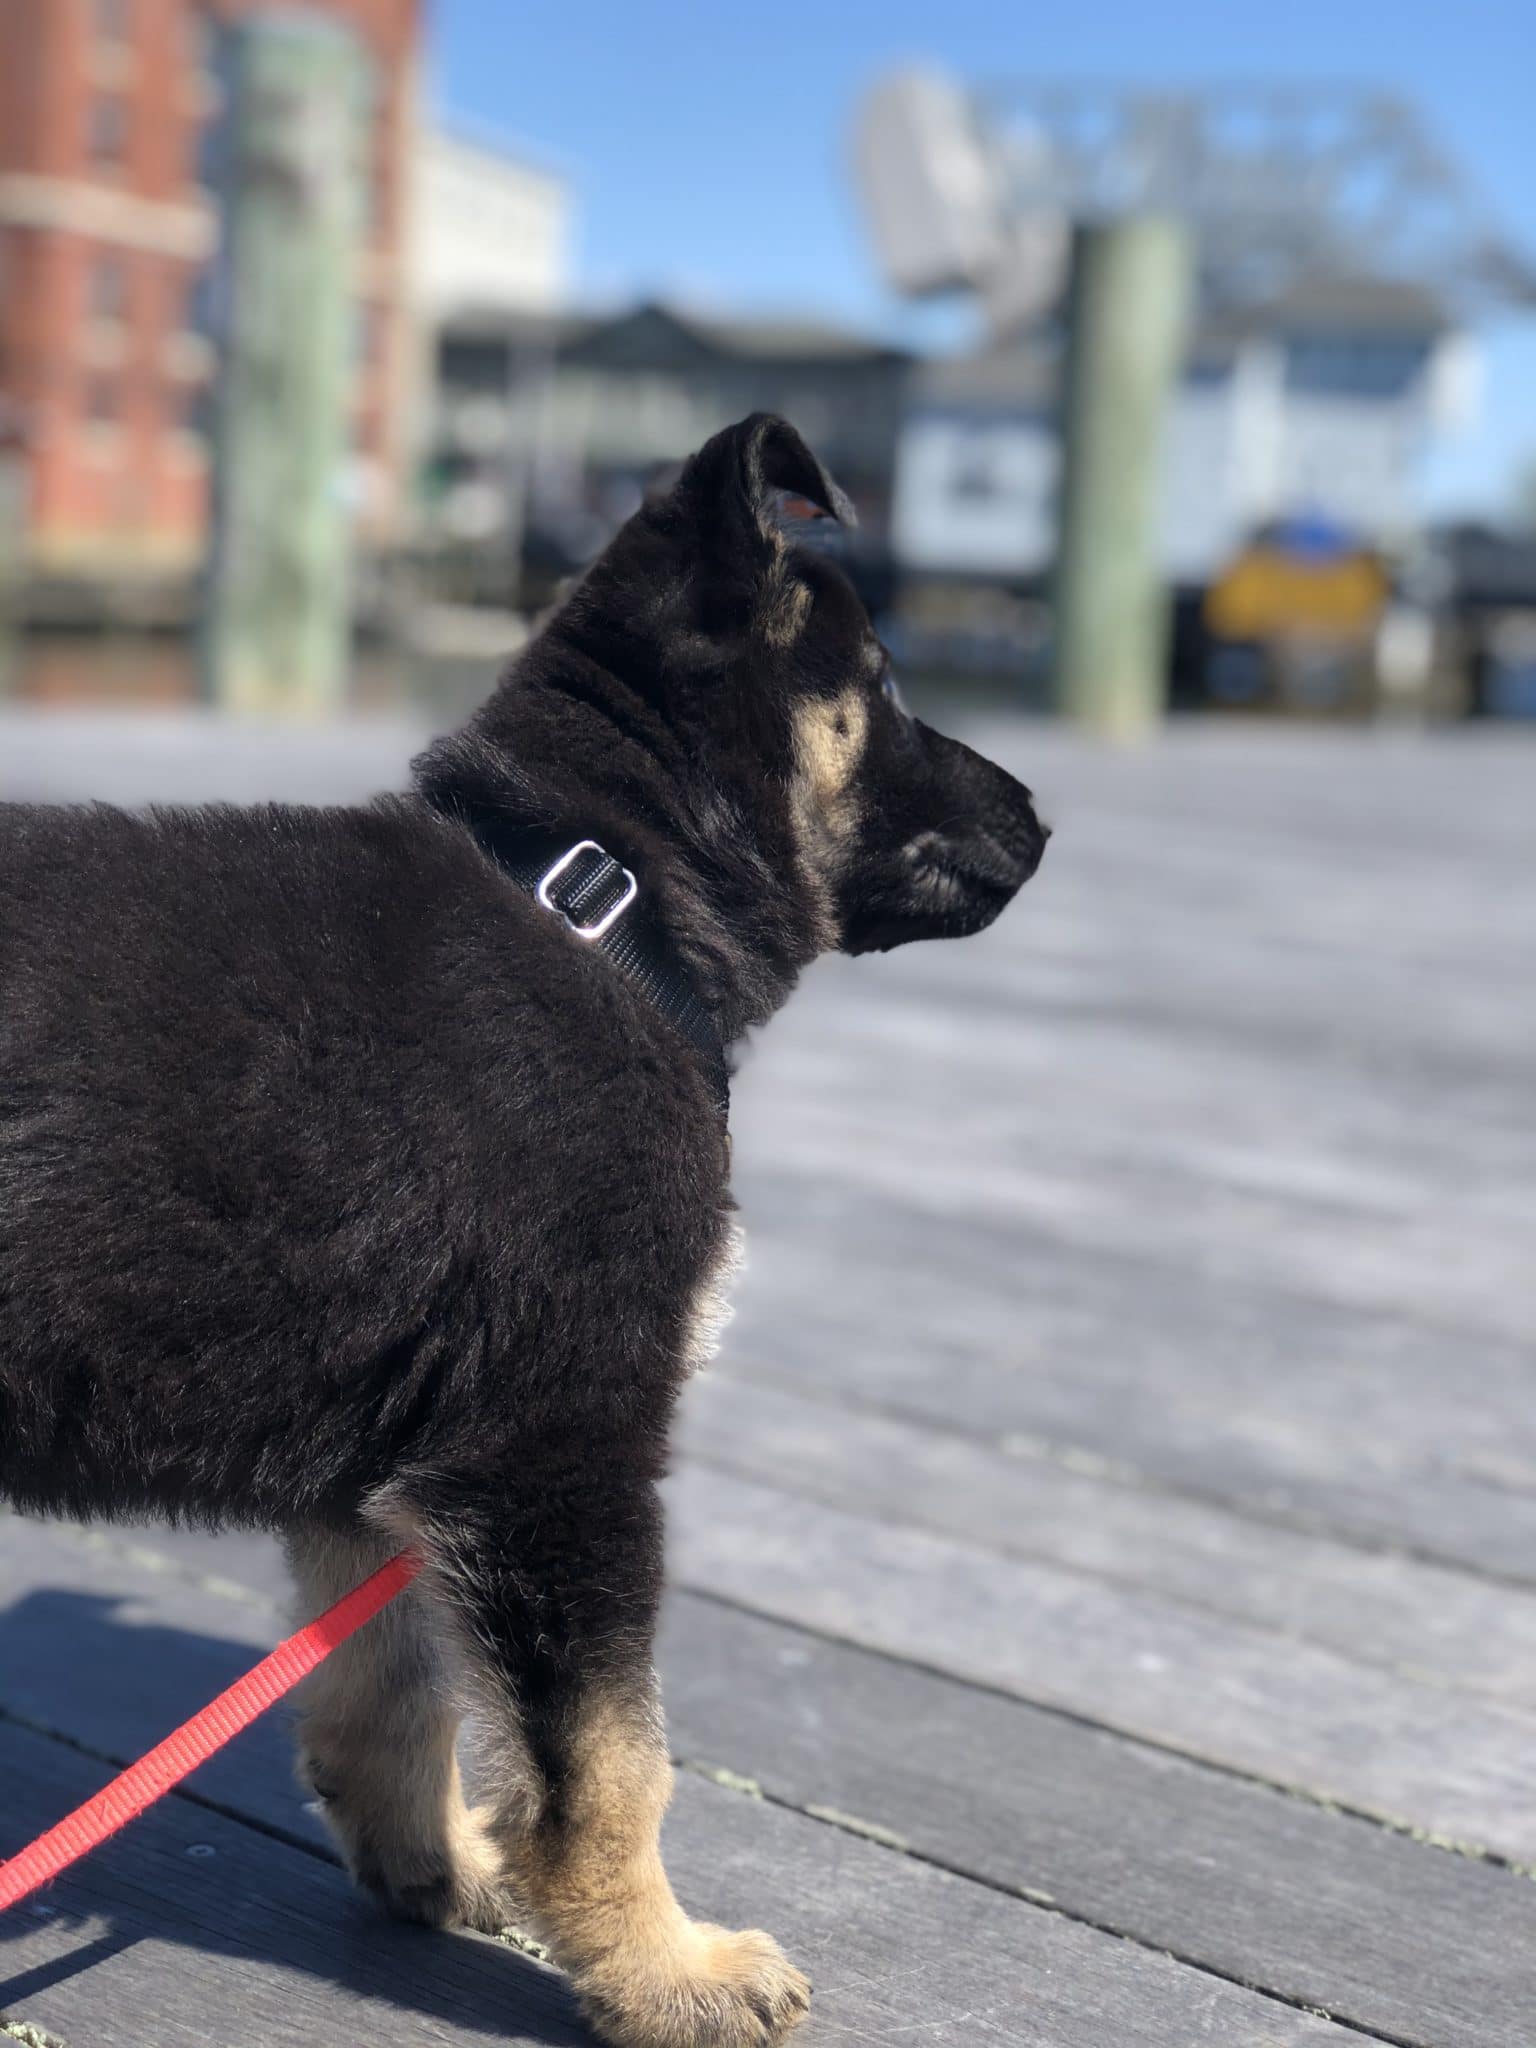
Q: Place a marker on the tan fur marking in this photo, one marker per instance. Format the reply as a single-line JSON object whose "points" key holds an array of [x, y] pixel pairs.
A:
{"points": [[829, 744], [584, 1861], [829, 736], [711, 1308], [376, 1737], [786, 615], [648, 1975]]}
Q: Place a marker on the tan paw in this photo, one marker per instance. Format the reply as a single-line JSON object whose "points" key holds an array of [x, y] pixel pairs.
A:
{"points": [[454, 1881], [440, 1894], [717, 1990]]}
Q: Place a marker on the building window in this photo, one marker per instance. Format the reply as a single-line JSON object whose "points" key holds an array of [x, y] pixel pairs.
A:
{"points": [[197, 35], [973, 478], [108, 290], [1207, 373], [108, 132], [1355, 366], [200, 315], [212, 153], [190, 409], [112, 21]]}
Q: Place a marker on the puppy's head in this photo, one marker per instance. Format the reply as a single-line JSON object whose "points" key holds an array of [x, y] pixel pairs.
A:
{"points": [[786, 696]]}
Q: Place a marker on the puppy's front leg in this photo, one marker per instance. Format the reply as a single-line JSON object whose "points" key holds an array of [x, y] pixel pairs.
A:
{"points": [[555, 1590]]}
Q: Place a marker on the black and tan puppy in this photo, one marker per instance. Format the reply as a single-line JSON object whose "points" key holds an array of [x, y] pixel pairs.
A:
{"points": [[363, 1176]]}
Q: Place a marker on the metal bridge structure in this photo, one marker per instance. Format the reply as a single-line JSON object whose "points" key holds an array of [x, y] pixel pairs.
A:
{"points": [[978, 190]]}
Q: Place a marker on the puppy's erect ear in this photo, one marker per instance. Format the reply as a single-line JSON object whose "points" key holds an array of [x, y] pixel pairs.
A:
{"points": [[737, 484]]}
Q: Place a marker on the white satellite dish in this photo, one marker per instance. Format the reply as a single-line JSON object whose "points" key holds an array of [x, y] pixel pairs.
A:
{"points": [[933, 194], [940, 193]]}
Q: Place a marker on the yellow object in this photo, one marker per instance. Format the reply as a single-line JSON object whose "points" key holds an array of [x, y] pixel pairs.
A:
{"points": [[1266, 593]]}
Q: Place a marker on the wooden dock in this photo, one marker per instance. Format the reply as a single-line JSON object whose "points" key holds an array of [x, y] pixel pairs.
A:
{"points": [[1104, 1557]]}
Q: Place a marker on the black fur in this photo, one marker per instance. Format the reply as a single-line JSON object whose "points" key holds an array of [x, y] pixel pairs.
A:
{"points": [[334, 1172]]}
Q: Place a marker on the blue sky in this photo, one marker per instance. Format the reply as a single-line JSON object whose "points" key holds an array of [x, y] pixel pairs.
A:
{"points": [[707, 144]]}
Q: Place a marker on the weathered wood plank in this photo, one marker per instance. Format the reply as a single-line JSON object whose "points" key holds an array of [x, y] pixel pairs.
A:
{"points": [[193, 1931], [1283, 1711], [1393, 1936], [1274, 1055], [1352, 1419], [974, 1155], [1272, 1891], [101, 1650], [262, 1943], [1086, 1098], [1417, 1619]]}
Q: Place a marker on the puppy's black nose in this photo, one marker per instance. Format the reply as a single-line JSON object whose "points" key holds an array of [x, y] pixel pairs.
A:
{"points": [[1022, 833], [1035, 850], [1006, 850]]}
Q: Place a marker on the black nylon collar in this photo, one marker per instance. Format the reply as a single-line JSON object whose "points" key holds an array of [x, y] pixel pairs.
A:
{"points": [[579, 882]]}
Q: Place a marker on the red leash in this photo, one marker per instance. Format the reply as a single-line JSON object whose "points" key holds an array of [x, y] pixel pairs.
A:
{"points": [[196, 1740]]}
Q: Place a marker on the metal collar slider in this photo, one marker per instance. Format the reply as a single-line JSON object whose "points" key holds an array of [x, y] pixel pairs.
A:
{"points": [[592, 883]]}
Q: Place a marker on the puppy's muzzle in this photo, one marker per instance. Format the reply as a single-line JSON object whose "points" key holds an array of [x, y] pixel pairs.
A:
{"points": [[994, 836]]}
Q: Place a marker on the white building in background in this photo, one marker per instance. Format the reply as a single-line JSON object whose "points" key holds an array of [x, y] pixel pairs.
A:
{"points": [[490, 244], [1316, 408], [491, 230], [977, 466]]}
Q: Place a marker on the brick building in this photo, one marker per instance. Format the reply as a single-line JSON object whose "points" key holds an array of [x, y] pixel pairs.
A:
{"points": [[106, 233]]}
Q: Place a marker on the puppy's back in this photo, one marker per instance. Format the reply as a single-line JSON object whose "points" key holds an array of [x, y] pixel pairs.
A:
{"points": [[299, 1111]]}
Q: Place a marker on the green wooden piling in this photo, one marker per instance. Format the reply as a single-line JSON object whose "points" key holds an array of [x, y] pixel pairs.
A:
{"points": [[1130, 285], [276, 633]]}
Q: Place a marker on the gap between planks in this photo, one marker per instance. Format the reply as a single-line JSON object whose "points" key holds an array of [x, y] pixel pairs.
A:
{"points": [[1318, 1978], [1092, 1515], [1259, 1706], [220, 1587], [1082, 1461], [745, 1787]]}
